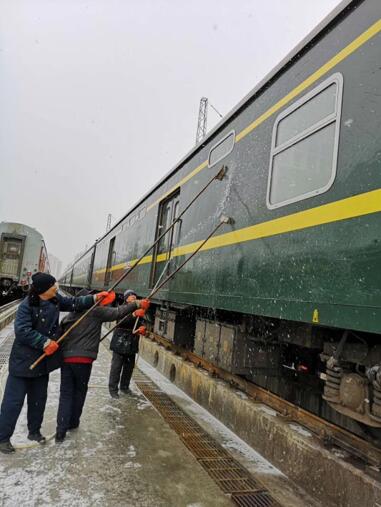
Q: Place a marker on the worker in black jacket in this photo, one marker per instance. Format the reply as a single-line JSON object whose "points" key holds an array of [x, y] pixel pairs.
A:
{"points": [[124, 346], [79, 350]]}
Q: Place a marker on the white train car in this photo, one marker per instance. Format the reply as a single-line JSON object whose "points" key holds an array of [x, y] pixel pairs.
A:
{"points": [[22, 253]]}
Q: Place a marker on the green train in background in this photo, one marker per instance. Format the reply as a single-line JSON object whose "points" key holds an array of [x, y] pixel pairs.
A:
{"points": [[289, 294]]}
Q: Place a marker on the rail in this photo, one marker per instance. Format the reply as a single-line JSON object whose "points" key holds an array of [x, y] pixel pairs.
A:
{"points": [[328, 433], [8, 312]]}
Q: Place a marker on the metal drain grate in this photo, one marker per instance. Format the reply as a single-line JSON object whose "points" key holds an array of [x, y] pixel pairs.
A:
{"points": [[229, 474], [240, 486], [221, 464], [259, 499]]}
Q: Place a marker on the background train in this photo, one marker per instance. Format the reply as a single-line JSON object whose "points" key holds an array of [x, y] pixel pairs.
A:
{"points": [[289, 295], [22, 253]]}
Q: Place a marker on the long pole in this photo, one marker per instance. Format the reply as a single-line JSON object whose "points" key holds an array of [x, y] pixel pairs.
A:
{"points": [[224, 220], [219, 176]]}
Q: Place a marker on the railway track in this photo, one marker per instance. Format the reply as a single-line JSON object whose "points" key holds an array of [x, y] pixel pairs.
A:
{"points": [[329, 434], [8, 312]]}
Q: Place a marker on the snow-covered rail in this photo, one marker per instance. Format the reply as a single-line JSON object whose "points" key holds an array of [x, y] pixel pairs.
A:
{"points": [[8, 312]]}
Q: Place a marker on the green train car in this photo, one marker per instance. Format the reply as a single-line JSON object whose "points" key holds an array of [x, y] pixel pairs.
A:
{"points": [[289, 294]]}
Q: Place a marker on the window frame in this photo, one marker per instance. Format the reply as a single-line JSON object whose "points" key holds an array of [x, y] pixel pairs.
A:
{"points": [[336, 78], [232, 132]]}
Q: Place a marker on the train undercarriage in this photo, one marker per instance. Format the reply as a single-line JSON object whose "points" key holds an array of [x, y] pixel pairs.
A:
{"points": [[333, 373]]}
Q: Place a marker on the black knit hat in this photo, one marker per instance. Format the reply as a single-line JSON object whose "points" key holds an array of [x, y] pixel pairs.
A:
{"points": [[129, 292], [42, 282]]}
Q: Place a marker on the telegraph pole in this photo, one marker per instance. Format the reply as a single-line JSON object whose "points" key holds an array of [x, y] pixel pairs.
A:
{"points": [[108, 226], [202, 120]]}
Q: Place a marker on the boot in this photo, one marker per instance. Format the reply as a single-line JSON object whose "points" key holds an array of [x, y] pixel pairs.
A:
{"points": [[37, 437], [6, 447], [60, 436], [114, 394]]}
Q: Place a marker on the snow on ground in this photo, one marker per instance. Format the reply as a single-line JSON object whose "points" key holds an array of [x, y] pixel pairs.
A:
{"points": [[121, 455], [6, 332]]}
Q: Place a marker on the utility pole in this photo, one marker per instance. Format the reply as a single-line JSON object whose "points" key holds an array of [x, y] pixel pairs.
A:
{"points": [[203, 118], [108, 226]]}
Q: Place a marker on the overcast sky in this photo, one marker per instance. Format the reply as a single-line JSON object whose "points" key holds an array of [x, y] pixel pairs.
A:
{"points": [[99, 98]]}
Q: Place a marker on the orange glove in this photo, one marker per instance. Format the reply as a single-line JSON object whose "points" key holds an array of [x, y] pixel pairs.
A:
{"points": [[144, 304], [108, 297], [52, 347], [139, 313], [141, 330]]}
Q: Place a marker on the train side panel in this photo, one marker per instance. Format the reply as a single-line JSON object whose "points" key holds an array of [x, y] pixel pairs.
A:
{"points": [[281, 261]]}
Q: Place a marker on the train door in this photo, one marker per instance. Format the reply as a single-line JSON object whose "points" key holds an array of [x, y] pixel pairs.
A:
{"points": [[91, 269], [163, 261], [11, 255], [110, 260]]}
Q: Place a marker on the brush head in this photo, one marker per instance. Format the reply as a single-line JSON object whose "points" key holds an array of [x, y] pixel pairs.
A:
{"points": [[226, 220], [221, 173]]}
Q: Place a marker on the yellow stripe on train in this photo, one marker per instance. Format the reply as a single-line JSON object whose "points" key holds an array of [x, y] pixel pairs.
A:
{"points": [[351, 207]]}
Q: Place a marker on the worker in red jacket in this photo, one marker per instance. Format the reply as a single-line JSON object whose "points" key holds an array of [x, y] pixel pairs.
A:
{"points": [[79, 350]]}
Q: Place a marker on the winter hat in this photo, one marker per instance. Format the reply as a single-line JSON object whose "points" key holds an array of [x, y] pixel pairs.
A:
{"points": [[42, 282], [129, 292]]}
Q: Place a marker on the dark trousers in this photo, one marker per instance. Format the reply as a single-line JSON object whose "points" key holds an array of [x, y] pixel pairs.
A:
{"points": [[74, 381], [122, 366], [36, 391]]}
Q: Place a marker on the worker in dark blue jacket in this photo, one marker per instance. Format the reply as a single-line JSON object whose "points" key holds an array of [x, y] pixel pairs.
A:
{"points": [[36, 331]]}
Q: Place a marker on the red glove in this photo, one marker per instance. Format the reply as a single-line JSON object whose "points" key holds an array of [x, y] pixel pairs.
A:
{"points": [[139, 313], [108, 297], [141, 330], [52, 347], [144, 304]]}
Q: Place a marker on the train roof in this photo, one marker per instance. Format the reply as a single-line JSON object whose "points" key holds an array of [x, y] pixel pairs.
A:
{"points": [[18, 225], [299, 50]]}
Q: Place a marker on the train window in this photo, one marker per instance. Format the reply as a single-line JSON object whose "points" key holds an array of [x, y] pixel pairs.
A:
{"points": [[305, 144], [221, 149]]}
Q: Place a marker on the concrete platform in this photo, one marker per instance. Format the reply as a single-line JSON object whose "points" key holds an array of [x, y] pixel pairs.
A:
{"points": [[328, 476], [124, 454]]}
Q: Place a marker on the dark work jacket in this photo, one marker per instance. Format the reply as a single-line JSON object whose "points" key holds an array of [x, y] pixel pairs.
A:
{"points": [[34, 324], [123, 341], [83, 341]]}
